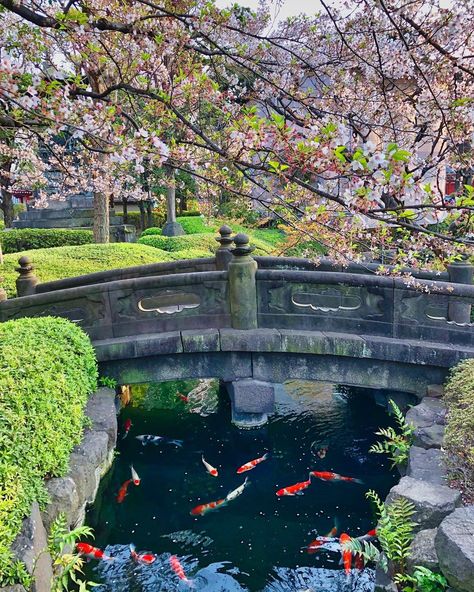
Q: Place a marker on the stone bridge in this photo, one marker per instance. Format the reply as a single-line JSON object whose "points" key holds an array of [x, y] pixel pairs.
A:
{"points": [[257, 321]]}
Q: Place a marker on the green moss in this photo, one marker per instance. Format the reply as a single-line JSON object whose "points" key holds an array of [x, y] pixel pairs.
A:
{"points": [[26, 239], [459, 436], [47, 371], [63, 262]]}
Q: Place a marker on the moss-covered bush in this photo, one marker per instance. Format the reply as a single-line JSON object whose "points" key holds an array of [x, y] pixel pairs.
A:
{"points": [[25, 239], [63, 262], [459, 437], [47, 371]]}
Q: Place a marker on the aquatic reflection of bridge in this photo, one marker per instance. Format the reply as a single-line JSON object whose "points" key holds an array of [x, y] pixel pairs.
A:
{"points": [[266, 319]]}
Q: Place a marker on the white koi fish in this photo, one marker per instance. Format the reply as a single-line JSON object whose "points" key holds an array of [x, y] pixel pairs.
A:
{"points": [[236, 492], [210, 469], [136, 479]]}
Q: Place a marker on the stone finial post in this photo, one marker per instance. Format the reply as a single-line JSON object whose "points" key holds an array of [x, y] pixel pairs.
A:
{"points": [[460, 272], [26, 282], [242, 285], [223, 254]]}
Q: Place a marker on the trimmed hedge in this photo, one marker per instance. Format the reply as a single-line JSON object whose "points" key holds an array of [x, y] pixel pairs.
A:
{"points": [[459, 436], [47, 371], [63, 262], [25, 239], [195, 225], [152, 231], [202, 241]]}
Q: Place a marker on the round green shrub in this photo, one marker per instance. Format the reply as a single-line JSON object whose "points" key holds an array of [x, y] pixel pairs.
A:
{"points": [[152, 231], [23, 239], [47, 371]]}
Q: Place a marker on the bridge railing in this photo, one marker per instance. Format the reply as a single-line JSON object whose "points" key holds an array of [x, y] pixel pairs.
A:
{"points": [[229, 291]]}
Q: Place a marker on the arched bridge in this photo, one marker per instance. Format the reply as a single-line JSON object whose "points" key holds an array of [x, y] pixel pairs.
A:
{"points": [[265, 319]]}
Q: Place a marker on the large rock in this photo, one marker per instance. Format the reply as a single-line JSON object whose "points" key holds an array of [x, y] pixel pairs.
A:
{"points": [[64, 499], [427, 413], [31, 547], [101, 410], [429, 437], [454, 545], [14, 588], [436, 391], [84, 475], [422, 550], [432, 502], [94, 447], [427, 465]]}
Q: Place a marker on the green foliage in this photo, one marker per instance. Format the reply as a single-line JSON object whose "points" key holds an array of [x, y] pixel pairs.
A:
{"points": [[108, 382], [47, 371], [394, 529], [67, 567], [194, 225], [396, 445], [152, 231], [422, 580], [157, 218], [459, 435], [63, 262], [16, 240], [191, 254]]}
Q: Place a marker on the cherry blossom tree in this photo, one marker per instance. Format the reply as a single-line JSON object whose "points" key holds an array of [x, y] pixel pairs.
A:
{"points": [[340, 124]]}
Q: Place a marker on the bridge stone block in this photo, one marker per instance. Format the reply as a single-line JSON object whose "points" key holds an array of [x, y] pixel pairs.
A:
{"points": [[201, 340], [257, 340], [252, 402]]}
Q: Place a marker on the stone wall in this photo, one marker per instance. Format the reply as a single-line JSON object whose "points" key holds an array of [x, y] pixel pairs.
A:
{"points": [[444, 539], [70, 495]]}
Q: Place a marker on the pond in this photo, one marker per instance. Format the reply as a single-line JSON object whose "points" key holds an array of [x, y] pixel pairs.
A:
{"points": [[258, 540]]}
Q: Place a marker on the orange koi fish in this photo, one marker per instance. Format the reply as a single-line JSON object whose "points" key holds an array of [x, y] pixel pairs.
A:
{"points": [[209, 468], [205, 508], [178, 569], [327, 476], [252, 464], [92, 552], [295, 489], [147, 558], [123, 491], [321, 540], [126, 426], [346, 555], [135, 478]]}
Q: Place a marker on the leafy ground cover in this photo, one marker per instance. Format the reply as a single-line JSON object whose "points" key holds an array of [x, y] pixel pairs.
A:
{"points": [[47, 371], [24, 239]]}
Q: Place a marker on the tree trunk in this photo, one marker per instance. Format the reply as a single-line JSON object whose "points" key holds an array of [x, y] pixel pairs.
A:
{"points": [[170, 196], [101, 218], [7, 208]]}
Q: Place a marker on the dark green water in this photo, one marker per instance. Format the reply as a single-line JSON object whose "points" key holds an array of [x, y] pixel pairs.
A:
{"points": [[257, 542]]}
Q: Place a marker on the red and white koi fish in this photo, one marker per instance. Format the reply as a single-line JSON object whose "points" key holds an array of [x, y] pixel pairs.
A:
{"points": [[327, 476], [205, 508], [135, 478], [182, 397], [252, 464], [372, 534], [92, 552], [346, 554], [123, 491], [209, 468], [147, 558], [320, 541], [295, 489], [178, 569], [126, 426]]}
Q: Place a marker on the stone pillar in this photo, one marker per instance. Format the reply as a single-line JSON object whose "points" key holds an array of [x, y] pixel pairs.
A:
{"points": [[252, 401], [171, 228], [242, 285], [26, 282], [460, 272], [223, 254]]}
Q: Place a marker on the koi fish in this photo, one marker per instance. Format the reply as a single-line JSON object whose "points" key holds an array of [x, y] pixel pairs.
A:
{"points": [[182, 397], [359, 562], [178, 569], [295, 489], [327, 476], [321, 540], [322, 452], [252, 464], [126, 426], [147, 558], [150, 439], [123, 491], [372, 534], [346, 554], [209, 468], [136, 479], [92, 552], [236, 492], [205, 508]]}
